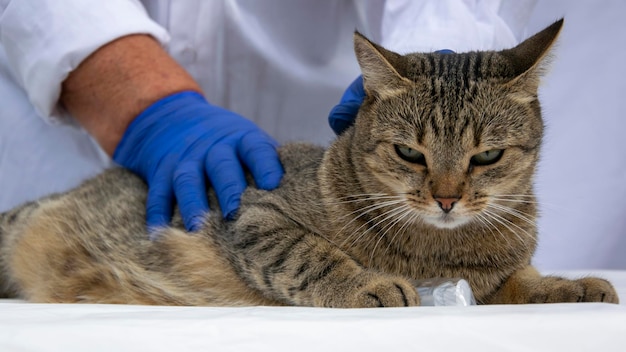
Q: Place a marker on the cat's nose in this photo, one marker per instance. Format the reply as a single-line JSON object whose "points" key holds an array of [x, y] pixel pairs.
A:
{"points": [[447, 203]]}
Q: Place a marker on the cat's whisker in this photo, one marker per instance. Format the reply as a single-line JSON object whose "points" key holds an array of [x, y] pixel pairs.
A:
{"points": [[365, 195], [358, 198], [366, 209], [400, 214], [402, 230], [500, 220], [500, 216], [508, 223], [519, 198], [514, 212], [490, 226], [389, 219], [386, 215], [514, 195], [362, 197], [515, 200], [373, 223], [363, 211]]}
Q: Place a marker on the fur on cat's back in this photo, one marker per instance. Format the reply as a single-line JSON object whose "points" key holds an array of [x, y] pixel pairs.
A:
{"points": [[433, 180]]}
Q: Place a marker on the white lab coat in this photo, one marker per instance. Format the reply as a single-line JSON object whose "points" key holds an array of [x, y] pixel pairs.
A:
{"points": [[282, 64]]}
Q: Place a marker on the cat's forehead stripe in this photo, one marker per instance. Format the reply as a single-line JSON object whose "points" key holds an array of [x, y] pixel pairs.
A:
{"points": [[462, 67]]}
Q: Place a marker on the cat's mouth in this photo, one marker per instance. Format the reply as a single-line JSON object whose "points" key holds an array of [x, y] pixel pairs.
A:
{"points": [[437, 217], [446, 220]]}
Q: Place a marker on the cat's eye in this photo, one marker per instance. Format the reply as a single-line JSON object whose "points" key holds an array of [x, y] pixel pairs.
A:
{"points": [[487, 157], [411, 155]]}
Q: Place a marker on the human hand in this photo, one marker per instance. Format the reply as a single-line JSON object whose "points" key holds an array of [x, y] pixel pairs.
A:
{"points": [[343, 114], [181, 138]]}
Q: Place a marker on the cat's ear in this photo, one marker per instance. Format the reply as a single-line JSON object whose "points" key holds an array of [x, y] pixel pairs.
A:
{"points": [[529, 58], [379, 67]]}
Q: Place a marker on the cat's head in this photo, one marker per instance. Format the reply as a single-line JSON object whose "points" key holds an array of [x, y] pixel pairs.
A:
{"points": [[456, 136]]}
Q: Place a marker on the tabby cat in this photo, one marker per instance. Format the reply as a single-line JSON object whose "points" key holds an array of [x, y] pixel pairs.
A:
{"points": [[433, 180]]}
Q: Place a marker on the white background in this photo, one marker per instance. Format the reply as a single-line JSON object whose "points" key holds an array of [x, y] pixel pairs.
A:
{"points": [[582, 176]]}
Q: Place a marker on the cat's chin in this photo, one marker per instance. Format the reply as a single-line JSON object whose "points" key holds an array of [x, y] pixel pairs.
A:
{"points": [[446, 221]]}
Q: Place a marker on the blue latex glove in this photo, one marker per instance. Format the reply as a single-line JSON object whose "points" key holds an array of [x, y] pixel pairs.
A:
{"points": [[181, 138], [343, 114]]}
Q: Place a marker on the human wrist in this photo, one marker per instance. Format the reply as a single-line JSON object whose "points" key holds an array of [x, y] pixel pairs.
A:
{"points": [[117, 82]]}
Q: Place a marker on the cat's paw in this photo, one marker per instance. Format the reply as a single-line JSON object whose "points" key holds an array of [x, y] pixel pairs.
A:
{"points": [[558, 290], [379, 290], [598, 290]]}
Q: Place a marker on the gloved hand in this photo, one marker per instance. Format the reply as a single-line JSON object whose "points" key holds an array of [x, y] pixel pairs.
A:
{"points": [[179, 140], [343, 114]]}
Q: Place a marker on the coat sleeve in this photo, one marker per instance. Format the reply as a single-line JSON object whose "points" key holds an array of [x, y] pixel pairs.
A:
{"points": [[422, 26], [45, 40]]}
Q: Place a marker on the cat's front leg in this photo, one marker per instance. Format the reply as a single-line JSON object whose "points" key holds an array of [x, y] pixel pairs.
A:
{"points": [[528, 286], [291, 264], [316, 273], [367, 289]]}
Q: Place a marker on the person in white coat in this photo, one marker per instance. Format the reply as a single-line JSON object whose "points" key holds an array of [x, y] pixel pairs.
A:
{"points": [[180, 91], [163, 86]]}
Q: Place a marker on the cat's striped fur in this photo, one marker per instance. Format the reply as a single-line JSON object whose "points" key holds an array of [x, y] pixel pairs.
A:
{"points": [[434, 180]]}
